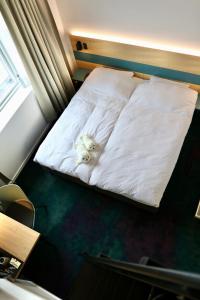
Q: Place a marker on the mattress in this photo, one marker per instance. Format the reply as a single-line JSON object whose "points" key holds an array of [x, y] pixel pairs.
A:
{"points": [[139, 136]]}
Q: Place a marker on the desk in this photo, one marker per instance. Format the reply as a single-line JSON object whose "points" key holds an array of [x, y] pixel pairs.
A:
{"points": [[16, 239]]}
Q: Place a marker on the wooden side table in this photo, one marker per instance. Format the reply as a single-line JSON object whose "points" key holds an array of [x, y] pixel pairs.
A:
{"points": [[17, 241], [79, 76]]}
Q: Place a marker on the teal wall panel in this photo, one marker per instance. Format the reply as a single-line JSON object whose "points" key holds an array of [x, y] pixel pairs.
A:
{"points": [[138, 67]]}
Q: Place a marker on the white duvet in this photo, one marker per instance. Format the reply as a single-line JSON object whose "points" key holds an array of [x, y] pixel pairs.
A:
{"points": [[139, 137]]}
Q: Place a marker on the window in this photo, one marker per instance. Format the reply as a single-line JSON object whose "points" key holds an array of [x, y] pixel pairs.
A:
{"points": [[9, 79], [12, 74]]}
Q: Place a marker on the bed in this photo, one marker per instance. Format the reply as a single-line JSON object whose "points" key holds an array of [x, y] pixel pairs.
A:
{"points": [[139, 127]]}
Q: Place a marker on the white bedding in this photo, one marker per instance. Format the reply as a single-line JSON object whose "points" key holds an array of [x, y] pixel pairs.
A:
{"points": [[139, 138]]}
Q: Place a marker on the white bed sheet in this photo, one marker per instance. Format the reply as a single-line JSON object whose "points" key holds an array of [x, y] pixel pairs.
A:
{"points": [[138, 145]]}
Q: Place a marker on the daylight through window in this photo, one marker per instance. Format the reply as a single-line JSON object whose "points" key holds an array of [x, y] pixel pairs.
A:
{"points": [[11, 71]]}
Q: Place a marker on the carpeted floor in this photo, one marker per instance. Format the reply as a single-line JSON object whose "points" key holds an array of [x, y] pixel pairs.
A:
{"points": [[73, 219]]}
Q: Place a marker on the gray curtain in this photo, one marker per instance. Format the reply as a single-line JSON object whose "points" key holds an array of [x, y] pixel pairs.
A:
{"points": [[35, 34]]}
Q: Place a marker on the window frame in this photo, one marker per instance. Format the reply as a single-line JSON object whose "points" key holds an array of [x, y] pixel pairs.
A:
{"points": [[12, 72]]}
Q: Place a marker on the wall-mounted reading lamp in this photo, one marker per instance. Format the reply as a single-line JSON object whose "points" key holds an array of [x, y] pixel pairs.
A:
{"points": [[136, 42]]}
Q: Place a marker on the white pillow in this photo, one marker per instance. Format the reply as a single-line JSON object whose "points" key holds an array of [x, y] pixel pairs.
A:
{"points": [[167, 81], [110, 82], [164, 97]]}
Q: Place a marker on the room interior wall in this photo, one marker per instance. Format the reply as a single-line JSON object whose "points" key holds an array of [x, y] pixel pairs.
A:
{"points": [[172, 22], [63, 34], [20, 136]]}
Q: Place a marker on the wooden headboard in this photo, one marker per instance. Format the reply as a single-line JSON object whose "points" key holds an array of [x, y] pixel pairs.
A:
{"points": [[143, 61]]}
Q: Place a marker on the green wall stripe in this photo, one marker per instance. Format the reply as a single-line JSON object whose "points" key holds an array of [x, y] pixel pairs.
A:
{"points": [[138, 67]]}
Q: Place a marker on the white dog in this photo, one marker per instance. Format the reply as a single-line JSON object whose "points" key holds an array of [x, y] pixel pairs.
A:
{"points": [[82, 153], [89, 144]]}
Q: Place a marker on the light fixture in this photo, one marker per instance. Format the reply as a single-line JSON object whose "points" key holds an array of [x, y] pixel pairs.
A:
{"points": [[137, 42]]}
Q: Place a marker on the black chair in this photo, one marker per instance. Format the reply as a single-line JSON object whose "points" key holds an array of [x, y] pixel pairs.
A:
{"points": [[15, 204]]}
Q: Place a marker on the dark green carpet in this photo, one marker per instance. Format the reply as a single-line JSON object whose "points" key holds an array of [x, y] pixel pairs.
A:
{"points": [[74, 219]]}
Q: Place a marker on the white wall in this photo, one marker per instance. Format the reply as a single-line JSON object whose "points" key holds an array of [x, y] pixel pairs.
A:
{"points": [[20, 135], [63, 34], [171, 22]]}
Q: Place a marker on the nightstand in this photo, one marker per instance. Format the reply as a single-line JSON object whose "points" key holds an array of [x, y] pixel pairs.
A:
{"points": [[79, 76]]}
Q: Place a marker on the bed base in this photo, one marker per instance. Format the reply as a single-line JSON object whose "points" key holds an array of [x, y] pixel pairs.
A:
{"points": [[104, 192]]}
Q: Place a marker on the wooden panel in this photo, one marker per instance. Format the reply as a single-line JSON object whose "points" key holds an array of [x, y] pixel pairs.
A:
{"points": [[16, 238], [154, 57], [86, 64], [138, 67], [89, 65]]}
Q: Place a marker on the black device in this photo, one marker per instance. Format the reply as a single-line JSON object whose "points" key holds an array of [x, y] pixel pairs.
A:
{"points": [[4, 261], [85, 46], [9, 265], [79, 45]]}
